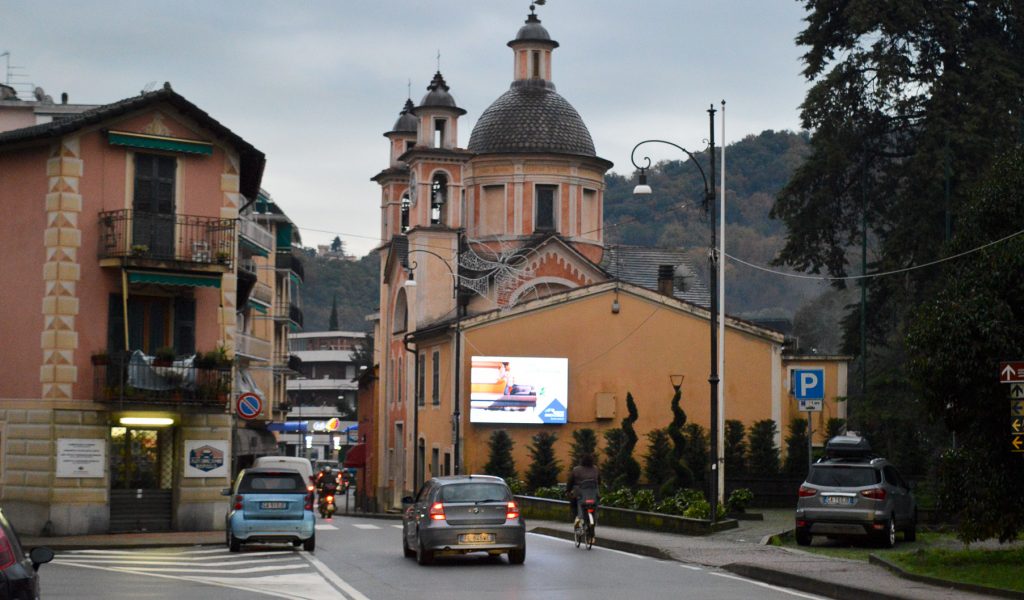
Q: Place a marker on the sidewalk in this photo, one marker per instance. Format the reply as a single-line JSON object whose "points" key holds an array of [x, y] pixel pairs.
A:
{"points": [[741, 551]]}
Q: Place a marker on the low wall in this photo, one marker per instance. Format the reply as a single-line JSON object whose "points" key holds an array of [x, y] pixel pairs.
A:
{"points": [[558, 510]]}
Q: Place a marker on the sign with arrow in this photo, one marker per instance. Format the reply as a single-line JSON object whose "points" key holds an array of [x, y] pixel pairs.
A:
{"points": [[1011, 372], [1018, 443], [1017, 424], [1017, 408], [1017, 390]]}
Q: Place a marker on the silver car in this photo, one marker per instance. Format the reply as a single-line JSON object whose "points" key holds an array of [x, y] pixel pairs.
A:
{"points": [[463, 514], [855, 494]]}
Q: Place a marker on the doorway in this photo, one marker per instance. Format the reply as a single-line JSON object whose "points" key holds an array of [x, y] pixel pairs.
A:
{"points": [[141, 477], [153, 204]]}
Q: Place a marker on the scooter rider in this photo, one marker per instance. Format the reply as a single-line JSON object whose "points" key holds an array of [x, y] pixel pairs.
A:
{"points": [[585, 471]]}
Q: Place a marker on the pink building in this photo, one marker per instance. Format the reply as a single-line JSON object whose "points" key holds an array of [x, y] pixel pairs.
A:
{"points": [[129, 236]]}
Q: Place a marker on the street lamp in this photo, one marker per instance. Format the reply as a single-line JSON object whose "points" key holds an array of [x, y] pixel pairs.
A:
{"points": [[643, 188], [456, 294]]}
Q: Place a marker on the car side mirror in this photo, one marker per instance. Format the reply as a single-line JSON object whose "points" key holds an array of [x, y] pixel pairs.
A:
{"points": [[407, 500], [39, 556], [225, 492]]}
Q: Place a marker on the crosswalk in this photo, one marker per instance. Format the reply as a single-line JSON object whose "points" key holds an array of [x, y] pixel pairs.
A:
{"points": [[286, 573]]}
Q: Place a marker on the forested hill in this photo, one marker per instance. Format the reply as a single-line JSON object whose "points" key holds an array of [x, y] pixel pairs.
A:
{"points": [[757, 167], [673, 216]]}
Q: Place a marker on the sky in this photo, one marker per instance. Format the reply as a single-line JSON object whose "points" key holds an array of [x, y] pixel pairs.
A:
{"points": [[314, 84]]}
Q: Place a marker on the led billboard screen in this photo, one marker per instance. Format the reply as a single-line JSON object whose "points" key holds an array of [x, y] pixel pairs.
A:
{"points": [[519, 389]]}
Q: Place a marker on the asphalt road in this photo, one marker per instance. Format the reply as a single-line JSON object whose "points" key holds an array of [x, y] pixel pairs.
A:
{"points": [[360, 558]]}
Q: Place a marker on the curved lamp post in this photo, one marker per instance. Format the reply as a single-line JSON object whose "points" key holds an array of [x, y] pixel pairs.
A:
{"points": [[643, 188], [457, 413]]}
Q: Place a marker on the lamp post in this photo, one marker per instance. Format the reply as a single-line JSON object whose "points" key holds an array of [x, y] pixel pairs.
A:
{"points": [[456, 294], [713, 265]]}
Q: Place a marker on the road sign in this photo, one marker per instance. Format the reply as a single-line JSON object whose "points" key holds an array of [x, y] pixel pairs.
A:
{"points": [[1017, 408], [1017, 443], [249, 406], [1017, 425], [810, 405], [1011, 372], [809, 384], [1017, 390]]}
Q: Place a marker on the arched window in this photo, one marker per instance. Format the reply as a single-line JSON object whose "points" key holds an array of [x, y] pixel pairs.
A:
{"points": [[438, 195], [406, 203], [400, 318]]}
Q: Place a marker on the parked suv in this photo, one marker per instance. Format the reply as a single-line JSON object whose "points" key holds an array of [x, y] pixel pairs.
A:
{"points": [[853, 493]]}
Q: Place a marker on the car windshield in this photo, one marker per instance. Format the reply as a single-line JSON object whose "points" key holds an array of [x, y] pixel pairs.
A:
{"points": [[841, 476], [272, 483], [474, 492]]}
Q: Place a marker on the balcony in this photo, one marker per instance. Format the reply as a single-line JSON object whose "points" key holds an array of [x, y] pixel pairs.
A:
{"points": [[286, 261], [288, 313], [263, 294], [256, 236], [173, 242], [138, 383], [252, 347]]}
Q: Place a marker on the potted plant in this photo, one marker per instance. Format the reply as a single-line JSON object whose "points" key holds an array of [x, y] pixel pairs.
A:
{"points": [[140, 250], [223, 256], [164, 357]]}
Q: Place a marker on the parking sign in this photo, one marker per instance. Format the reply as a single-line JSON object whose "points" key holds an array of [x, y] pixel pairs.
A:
{"points": [[808, 387]]}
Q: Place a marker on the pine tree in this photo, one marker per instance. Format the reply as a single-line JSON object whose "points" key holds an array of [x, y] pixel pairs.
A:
{"points": [[764, 456], [611, 468], [545, 467], [658, 460], [735, 449], [697, 453], [332, 324], [584, 441], [500, 463], [795, 462]]}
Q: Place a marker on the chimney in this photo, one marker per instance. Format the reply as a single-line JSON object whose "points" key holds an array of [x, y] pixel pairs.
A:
{"points": [[665, 276], [64, 98]]}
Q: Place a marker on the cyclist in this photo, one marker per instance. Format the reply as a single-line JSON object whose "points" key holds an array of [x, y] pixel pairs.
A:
{"points": [[583, 475]]}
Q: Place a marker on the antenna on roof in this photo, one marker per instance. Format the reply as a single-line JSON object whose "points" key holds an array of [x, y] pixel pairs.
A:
{"points": [[438, 60], [408, 88]]}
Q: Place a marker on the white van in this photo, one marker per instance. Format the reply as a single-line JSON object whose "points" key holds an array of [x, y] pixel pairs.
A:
{"points": [[302, 465]]}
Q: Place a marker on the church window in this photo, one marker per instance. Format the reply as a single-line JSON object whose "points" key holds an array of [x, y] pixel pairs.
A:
{"points": [[438, 194], [545, 208], [439, 126], [536, 64], [406, 203]]}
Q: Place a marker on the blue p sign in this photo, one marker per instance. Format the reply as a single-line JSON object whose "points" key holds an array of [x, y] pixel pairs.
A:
{"points": [[809, 384]]}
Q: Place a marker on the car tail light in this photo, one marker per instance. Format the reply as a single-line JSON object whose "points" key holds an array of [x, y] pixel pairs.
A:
{"points": [[874, 493], [437, 512], [806, 492], [330, 499], [7, 557], [512, 512], [310, 488], [309, 503], [238, 502], [801, 523]]}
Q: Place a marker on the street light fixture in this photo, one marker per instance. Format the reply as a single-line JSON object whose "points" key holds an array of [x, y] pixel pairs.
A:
{"points": [[643, 188], [456, 294]]}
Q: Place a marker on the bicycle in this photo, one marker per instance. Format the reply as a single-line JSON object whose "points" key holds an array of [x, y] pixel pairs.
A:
{"points": [[586, 515]]}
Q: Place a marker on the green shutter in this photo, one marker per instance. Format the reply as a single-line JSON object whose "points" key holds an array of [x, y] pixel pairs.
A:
{"points": [[156, 142], [190, 280], [284, 236]]}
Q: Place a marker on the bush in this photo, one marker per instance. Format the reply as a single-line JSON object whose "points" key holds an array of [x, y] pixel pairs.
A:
{"points": [[764, 456], [584, 441], [500, 463], [552, 492], [701, 509], [518, 486], [739, 500], [678, 502], [643, 500], [620, 498], [545, 467]]}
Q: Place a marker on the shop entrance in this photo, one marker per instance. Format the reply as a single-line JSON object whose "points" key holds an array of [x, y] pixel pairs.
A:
{"points": [[141, 476]]}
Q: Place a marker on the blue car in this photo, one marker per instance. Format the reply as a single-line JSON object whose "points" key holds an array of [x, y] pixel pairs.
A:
{"points": [[270, 505]]}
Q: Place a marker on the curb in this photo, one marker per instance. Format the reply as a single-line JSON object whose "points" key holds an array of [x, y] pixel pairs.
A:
{"points": [[57, 545], [967, 587], [608, 543], [808, 584]]}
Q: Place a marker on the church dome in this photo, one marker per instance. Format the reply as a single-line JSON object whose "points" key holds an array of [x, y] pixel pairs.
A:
{"points": [[437, 96], [407, 122], [531, 117], [533, 31]]}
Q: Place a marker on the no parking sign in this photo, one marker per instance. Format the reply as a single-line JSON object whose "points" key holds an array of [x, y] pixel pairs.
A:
{"points": [[249, 406]]}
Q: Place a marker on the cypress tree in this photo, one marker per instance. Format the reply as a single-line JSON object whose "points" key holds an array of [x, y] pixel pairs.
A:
{"points": [[584, 441], [500, 463], [796, 448], [764, 456], [658, 460], [545, 467], [735, 449]]}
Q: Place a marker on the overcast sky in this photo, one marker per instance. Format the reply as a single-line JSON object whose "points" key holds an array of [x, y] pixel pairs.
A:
{"points": [[314, 84]]}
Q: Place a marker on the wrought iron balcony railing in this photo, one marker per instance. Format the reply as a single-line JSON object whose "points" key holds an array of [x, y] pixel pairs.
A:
{"points": [[290, 262], [137, 382], [131, 234]]}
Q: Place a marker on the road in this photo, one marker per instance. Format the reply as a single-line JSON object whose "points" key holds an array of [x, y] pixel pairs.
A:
{"points": [[361, 559]]}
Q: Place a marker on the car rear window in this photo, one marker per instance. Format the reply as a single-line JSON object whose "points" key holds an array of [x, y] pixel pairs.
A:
{"points": [[474, 492], [272, 483], [837, 476]]}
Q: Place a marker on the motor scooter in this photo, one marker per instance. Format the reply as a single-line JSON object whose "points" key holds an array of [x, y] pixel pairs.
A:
{"points": [[327, 507]]}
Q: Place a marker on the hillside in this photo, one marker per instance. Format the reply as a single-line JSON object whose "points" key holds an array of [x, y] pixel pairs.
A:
{"points": [[353, 283]]}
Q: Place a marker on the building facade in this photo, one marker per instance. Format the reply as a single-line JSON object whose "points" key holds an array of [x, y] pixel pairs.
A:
{"points": [[129, 337]]}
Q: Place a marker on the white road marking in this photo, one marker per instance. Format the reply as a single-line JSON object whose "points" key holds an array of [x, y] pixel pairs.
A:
{"points": [[95, 560], [398, 526], [331, 576], [365, 526], [325, 527], [601, 548], [692, 568], [769, 586], [194, 569]]}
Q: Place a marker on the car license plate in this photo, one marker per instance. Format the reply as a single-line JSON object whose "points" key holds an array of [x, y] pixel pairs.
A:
{"points": [[272, 505], [476, 538], [838, 500]]}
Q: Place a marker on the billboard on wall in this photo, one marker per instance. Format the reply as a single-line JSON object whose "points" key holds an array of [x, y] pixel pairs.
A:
{"points": [[519, 389]]}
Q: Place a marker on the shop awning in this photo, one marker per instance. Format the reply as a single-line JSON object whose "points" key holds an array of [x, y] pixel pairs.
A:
{"points": [[183, 279], [356, 456], [257, 442]]}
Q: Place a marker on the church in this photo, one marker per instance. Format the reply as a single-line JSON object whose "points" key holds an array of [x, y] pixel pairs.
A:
{"points": [[502, 308]]}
